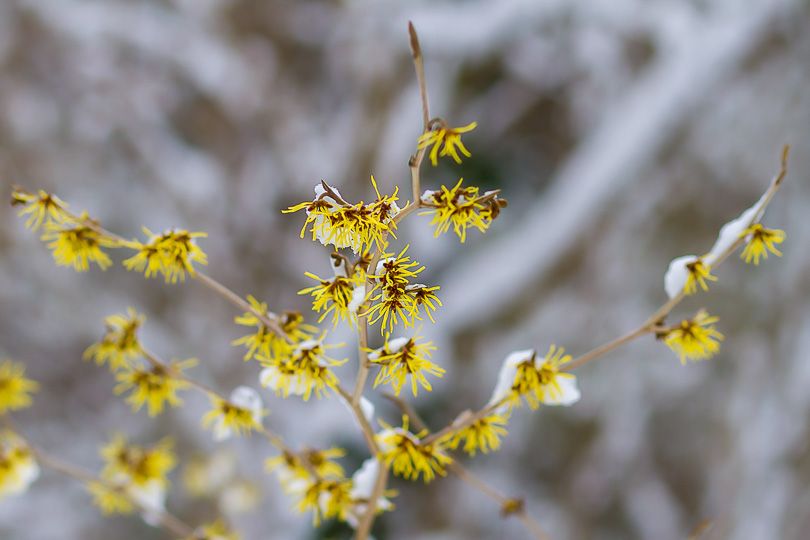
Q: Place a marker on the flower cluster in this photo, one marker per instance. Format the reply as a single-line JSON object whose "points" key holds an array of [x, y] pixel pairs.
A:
{"points": [[358, 226], [403, 358], [693, 339], [18, 469], [304, 372], [133, 476], [461, 208], [15, 388], [408, 456], [171, 254], [397, 299], [264, 341], [536, 379]]}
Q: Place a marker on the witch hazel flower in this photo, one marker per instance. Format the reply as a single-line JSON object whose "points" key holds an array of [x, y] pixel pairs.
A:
{"points": [[240, 414], [536, 379], [18, 468]]}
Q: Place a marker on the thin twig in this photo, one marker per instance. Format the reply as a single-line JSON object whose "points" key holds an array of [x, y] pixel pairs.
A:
{"points": [[509, 506], [419, 66]]}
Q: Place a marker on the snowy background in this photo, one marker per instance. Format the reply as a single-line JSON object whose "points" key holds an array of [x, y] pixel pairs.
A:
{"points": [[623, 133]]}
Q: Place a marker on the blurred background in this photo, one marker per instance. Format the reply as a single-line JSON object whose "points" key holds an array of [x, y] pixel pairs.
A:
{"points": [[624, 133]]}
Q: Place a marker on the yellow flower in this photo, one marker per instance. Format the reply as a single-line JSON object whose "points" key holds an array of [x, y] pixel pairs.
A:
{"points": [[172, 254], [15, 388], [129, 464], [154, 386], [446, 139], [217, 530], [18, 469], [241, 414], [110, 499], [264, 341], [357, 226], [120, 343], [397, 270], [41, 208], [461, 208], [327, 499], [484, 435], [77, 245], [693, 339], [290, 467], [408, 456], [402, 358], [424, 297], [396, 300], [536, 379], [335, 295], [760, 241], [306, 371], [698, 274], [392, 305]]}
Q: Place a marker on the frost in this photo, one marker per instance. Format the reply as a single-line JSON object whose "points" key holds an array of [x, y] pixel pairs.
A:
{"points": [[358, 297], [568, 392], [677, 274]]}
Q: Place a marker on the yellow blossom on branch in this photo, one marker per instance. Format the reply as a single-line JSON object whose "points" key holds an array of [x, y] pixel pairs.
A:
{"points": [[336, 296], [408, 456], [138, 464], [306, 371], [760, 241], [334, 221], [172, 253], [293, 467], [78, 244], [240, 414], [461, 208], [120, 343], [394, 300], [18, 469], [693, 339], [482, 435], [699, 274], [446, 141], [41, 207], [154, 386], [536, 379], [326, 499], [110, 499], [264, 341], [403, 358], [15, 388]]}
